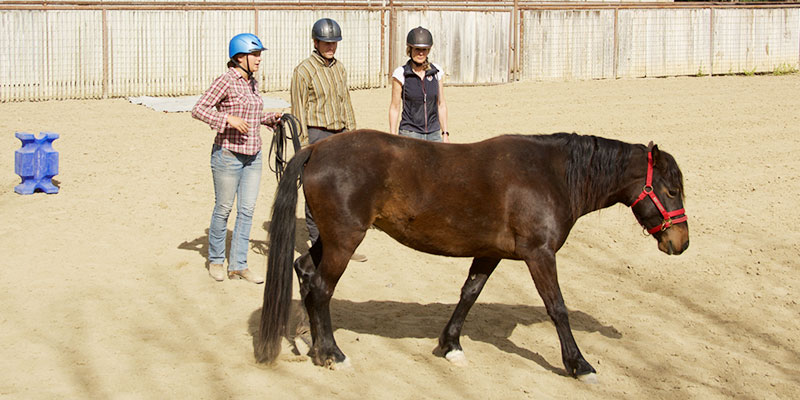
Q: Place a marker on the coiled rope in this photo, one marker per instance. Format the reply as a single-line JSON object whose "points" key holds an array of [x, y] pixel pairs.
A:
{"points": [[288, 128]]}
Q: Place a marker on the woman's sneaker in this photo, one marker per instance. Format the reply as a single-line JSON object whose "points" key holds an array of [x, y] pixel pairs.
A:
{"points": [[217, 271], [245, 274]]}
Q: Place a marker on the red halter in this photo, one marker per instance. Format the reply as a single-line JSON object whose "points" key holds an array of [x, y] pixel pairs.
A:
{"points": [[648, 191]]}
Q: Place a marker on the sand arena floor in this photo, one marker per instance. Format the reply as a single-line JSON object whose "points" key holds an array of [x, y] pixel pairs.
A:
{"points": [[104, 291]]}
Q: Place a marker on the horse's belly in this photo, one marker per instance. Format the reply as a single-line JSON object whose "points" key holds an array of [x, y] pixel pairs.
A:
{"points": [[441, 239]]}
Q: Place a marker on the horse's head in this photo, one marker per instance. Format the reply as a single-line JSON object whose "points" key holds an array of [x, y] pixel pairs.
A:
{"points": [[659, 205]]}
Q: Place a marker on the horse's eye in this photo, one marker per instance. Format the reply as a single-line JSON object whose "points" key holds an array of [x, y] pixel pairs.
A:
{"points": [[672, 193]]}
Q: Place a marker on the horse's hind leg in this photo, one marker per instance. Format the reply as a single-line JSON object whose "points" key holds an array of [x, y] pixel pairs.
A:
{"points": [[542, 266], [449, 342], [321, 285], [305, 267]]}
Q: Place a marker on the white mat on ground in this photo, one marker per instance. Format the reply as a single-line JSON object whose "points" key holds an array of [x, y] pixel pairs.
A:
{"points": [[185, 103]]}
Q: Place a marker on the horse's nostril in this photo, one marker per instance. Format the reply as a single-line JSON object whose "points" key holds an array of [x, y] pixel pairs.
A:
{"points": [[685, 245]]}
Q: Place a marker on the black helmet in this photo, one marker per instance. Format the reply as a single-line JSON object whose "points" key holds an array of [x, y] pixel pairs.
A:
{"points": [[326, 30], [419, 37]]}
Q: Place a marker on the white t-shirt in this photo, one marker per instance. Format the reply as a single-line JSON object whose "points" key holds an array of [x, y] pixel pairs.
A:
{"points": [[398, 73]]}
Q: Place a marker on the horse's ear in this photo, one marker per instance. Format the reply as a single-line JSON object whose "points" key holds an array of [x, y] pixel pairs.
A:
{"points": [[655, 152], [650, 146]]}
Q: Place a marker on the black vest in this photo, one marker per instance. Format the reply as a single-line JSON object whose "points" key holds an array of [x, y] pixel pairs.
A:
{"points": [[420, 101]]}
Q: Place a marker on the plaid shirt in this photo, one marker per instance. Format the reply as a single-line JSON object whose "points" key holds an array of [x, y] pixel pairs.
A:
{"points": [[231, 94]]}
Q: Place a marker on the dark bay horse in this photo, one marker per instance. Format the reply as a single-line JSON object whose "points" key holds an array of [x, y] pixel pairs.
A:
{"points": [[509, 197]]}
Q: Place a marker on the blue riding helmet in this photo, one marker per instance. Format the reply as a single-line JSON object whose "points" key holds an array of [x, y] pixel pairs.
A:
{"points": [[244, 43]]}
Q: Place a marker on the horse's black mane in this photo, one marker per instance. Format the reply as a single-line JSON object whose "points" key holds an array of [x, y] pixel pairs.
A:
{"points": [[594, 164]]}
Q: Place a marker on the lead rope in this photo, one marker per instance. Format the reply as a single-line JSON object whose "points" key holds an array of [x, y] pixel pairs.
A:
{"points": [[288, 128]]}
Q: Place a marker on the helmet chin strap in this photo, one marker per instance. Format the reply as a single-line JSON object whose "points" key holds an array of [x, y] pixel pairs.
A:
{"points": [[249, 72]]}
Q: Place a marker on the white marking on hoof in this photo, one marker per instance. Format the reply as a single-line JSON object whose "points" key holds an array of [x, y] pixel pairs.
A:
{"points": [[457, 357], [590, 378], [301, 345], [342, 366]]}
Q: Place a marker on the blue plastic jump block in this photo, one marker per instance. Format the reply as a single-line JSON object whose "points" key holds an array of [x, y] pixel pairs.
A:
{"points": [[36, 163]]}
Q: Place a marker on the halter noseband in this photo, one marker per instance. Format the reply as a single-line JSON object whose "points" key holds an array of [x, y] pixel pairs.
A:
{"points": [[669, 219]]}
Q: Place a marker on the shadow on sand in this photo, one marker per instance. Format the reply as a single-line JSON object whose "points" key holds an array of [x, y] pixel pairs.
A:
{"points": [[489, 323]]}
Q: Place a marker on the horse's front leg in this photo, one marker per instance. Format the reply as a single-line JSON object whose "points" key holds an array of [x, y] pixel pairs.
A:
{"points": [[449, 342], [542, 266]]}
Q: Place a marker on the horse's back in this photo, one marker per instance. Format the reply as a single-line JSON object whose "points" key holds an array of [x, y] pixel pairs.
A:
{"points": [[373, 158], [358, 148], [439, 198]]}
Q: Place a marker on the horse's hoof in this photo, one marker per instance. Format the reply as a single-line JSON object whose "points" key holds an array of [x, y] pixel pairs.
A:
{"points": [[590, 378], [302, 344], [340, 366], [457, 357]]}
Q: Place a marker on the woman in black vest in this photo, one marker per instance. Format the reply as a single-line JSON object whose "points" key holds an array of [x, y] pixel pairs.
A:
{"points": [[417, 85]]}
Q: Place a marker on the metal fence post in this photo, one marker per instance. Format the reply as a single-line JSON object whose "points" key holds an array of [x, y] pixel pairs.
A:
{"points": [[105, 54], [512, 44], [383, 47], [616, 42], [711, 42], [392, 34]]}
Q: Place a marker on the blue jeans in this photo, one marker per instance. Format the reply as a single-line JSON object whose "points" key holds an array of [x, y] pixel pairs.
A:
{"points": [[435, 136], [235, 175]]}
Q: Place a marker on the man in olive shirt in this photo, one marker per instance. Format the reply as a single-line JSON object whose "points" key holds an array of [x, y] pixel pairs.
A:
{"points": [[320, 99]]}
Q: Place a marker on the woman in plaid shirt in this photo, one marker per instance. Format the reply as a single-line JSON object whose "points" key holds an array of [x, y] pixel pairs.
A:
{"points": [[233, 107]]}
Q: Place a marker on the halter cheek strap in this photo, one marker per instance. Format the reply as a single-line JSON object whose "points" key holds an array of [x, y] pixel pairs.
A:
{"points": [[670, 217]]}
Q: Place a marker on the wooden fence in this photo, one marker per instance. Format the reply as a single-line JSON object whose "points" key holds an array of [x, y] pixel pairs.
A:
{"points": [[98, 49]]}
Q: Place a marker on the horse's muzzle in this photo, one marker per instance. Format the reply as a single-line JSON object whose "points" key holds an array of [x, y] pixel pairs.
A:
{"points": [[674, 240]]}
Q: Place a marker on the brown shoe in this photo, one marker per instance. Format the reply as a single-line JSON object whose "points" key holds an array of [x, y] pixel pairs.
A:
{"points": [[217, 271], [245, 274], [358, 257]]}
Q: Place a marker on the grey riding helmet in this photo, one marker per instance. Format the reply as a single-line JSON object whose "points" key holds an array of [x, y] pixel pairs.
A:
{"points": [[419, 37], [326, 30]]}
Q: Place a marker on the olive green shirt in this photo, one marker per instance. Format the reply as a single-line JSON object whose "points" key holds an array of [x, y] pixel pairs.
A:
{"points": [[320, 96]]}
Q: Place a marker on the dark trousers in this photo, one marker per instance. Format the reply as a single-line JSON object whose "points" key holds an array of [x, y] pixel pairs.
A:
{"points": [[315, 134]]}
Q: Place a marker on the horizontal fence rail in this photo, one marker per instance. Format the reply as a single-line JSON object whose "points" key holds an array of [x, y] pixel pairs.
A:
{"points": [[97, 49]]}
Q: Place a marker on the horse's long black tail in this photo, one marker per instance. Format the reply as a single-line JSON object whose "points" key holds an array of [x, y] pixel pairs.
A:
{"points": [[278, 287]]}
